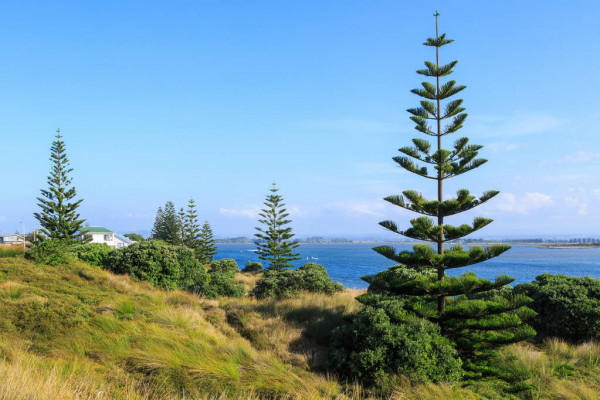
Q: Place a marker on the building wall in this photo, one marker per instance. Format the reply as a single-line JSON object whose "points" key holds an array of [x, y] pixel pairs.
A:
{"points": [[100, 238]]}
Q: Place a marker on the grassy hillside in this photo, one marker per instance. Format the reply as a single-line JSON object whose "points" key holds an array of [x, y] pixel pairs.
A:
{"points": [[80, 332]]}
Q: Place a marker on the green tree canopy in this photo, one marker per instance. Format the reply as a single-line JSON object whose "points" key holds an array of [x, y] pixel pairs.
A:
{"points": [[58, 215], [191, 237], [274, 239], [207, 249], [167, 226], [470, 311]]}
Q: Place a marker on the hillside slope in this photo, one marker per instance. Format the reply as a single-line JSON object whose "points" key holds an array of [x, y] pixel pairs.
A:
{"points": [[80, 332]]}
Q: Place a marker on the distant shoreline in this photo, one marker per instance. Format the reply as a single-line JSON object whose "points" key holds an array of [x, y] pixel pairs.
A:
{"points": [[519, 244]]}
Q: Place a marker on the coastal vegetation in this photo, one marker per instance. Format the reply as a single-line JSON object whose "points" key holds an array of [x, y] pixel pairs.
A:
{"points": [[81, 332], [274, 239], [162, 319], [58, 215], [416, 318]]}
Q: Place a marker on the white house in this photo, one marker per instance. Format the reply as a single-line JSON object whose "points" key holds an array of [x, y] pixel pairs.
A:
{"points": [[11, 238], [103, 235]]}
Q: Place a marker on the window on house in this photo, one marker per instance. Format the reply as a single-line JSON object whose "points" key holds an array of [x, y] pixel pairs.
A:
{"points": [[107, 238]]}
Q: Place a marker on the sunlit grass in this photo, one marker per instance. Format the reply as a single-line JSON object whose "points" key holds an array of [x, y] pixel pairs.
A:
{"points": [[11, 251], [79, 332]]}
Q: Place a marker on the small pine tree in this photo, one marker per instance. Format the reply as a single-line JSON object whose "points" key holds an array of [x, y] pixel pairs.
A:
{"points": [[58, 216], [192, 229], [470, 312], [157, 229], [182, 225], [274, 240], [171, 225], [207, 248], [167, 226]]}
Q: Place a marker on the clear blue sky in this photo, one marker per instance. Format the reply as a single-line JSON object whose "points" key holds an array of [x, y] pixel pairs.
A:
{"points": [[215, 100]]}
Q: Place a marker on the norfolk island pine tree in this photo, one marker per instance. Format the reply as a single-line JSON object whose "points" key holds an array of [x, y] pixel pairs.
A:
{"points": [[274, 240], [58, 216], [207, 249], [468, 309], [191, 228]]}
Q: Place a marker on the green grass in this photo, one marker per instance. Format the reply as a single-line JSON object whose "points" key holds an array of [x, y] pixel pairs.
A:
{"points": [[11, 251], [80, 332]]}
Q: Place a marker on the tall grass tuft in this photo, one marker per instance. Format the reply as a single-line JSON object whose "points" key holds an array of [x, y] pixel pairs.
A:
{"points": [[11, 251]]}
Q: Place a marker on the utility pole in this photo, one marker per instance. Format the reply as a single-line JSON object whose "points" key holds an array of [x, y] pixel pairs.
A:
{"points": [[23, 225]]}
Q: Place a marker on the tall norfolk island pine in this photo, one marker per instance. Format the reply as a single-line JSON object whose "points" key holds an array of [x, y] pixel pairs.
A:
{"points": [[477, 322], [58, 216], [274, 240]]}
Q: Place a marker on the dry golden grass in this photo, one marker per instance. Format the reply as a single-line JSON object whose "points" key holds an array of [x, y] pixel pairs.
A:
{"points": [[84, 333], [248, 280]]}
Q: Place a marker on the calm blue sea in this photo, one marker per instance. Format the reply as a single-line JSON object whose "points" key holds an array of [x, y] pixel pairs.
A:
{"points": [[346, 263]]}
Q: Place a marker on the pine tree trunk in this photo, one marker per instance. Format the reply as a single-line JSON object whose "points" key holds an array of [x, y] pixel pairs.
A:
{"points": [[440, 243]]}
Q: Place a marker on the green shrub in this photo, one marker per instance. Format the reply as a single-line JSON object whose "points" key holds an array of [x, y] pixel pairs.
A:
{"points": [[376, 348], [568, 307], [279, 284], [314, 278], [163, 265], [91, 253], [53, 252], [220, 284], [286, 283], [224, 265], [253, 267]]}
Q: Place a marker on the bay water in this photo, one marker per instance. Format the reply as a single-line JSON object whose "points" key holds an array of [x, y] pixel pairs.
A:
{"points": [[347, 263]]}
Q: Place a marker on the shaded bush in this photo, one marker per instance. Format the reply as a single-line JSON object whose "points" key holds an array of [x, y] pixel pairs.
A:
{"points": [[224, 265], [287, 283], [91, 253], [376, 348], [568, 307], [253, 267], [163, 265], [53, 252]]}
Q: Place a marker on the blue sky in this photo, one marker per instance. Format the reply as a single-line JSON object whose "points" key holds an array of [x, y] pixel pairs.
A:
{"points": [[215, 100]]}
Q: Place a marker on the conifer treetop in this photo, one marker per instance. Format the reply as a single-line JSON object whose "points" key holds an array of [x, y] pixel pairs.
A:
{"points": [[58, 216], [274, 240]]}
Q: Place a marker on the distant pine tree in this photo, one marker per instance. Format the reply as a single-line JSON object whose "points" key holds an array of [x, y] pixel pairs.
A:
{"points": [[207, 248], [274, 240], [192, 229], [171, 225], [182, 225], [157, 229], [58, 216], [167, 226], [470, 312]]}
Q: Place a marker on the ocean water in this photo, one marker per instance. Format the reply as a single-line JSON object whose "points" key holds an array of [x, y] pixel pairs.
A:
{"points": [[346, 263]]}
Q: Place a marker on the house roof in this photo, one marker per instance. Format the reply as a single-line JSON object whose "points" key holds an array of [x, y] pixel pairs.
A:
{"points": [[94, 229], [124, 239]]}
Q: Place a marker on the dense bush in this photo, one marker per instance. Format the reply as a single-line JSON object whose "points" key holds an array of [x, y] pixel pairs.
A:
{"points": [[91, 253], [220, 284], [313, 277], [278, 284], [163, 265], [568, 307], [53, 252], [224, 265], [253, 267], [376, 348], [287, 283]]}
